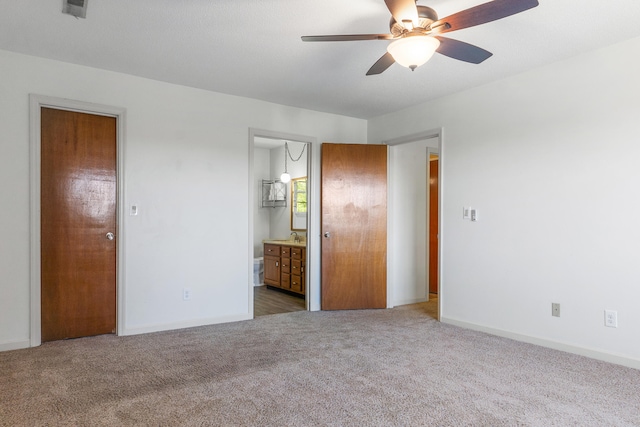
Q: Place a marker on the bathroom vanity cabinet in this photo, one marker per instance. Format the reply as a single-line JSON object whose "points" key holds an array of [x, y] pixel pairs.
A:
{"points": [[284, 267]]}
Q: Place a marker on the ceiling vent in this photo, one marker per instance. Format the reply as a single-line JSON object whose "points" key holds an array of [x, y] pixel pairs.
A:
{"points": [[77, 8]]}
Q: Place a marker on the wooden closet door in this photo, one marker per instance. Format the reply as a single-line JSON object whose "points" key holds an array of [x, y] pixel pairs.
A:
{"points": [[433, 226], [354, 226], [78, 210]]}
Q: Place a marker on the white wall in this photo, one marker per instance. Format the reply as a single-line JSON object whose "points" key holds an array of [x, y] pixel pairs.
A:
{"points": [[261, 223], [550, 159], [281, 217], [408, 232], [181, 145]]}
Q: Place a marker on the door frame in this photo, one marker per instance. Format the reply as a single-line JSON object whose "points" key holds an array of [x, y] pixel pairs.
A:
{"points": [[312, 291], [433, 133], [36, 102]]}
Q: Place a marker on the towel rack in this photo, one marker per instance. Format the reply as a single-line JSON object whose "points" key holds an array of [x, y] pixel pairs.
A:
{"points": [[274, 194]]}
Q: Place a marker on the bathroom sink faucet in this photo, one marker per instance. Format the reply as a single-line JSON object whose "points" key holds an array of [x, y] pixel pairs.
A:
{"points": [[296, 238]]}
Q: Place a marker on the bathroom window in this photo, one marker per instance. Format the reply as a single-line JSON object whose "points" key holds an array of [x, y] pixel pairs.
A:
{"points": [[299, 203]]}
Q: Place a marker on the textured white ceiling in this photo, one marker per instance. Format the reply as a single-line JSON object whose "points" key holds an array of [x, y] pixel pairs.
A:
{"points": [[252, 48]]}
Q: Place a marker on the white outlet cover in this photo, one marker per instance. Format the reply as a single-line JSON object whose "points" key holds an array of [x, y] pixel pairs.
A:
{"points": [[611, 318]]}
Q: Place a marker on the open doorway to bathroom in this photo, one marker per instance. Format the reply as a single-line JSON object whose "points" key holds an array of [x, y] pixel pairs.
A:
{"points": [[280, 225]]}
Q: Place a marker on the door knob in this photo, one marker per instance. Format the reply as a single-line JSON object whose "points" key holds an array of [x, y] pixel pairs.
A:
{"points": [[327, 234], [110, 236]]}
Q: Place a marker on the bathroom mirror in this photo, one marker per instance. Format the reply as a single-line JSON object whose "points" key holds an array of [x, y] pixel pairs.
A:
{"points": [[299, 204]]}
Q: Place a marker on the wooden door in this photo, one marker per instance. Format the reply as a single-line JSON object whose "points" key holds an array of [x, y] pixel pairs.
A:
{"points": [[433, 226], [78, 210], [354, 226]]}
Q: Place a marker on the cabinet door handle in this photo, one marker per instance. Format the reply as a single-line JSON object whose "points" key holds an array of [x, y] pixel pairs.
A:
{"points": [[277, 263], [327, 234]]}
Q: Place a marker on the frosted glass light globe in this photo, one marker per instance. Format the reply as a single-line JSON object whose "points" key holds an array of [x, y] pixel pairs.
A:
{"points": [[413, 51], [285, 177]]}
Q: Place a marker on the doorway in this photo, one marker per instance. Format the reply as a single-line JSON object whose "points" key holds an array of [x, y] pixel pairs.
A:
{"points": [[82, 191], [410, 248], [280, 222]]}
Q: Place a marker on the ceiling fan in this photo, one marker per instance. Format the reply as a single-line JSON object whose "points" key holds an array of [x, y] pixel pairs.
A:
{"points": [[415, 31]]}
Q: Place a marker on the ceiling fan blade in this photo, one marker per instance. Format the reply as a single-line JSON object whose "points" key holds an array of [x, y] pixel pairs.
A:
{"points": [[347, 37], [462, 51], [482, 14], [381, 64], [403, 10]]}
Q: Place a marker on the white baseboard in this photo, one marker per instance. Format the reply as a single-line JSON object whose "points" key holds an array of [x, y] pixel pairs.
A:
{"points": [[582, 351], [409, 301], [15, 345], [182, 325]]}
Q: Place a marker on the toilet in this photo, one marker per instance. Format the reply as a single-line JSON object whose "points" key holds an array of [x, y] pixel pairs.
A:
{"points": [[258, 269]]}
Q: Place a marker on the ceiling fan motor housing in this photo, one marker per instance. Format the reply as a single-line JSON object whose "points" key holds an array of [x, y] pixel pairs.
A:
{"points": [[426, 16]]}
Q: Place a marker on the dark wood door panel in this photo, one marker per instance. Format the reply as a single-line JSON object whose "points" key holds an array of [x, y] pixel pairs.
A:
{"points": [[78, 209], [433, 226], [354, 226]]}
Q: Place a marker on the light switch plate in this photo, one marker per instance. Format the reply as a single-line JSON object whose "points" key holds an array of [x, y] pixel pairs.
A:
{"points": [[466, 212], [134, 210]]}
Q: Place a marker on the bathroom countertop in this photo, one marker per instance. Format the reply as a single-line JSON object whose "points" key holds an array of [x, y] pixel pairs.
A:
{"points": [[286, 242]]}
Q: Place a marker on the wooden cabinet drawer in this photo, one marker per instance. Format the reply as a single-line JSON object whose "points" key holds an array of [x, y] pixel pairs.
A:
{"points": [[297, 267], [285, 251], [285, 281], [285, 266], [297, 283], [271, 250], [297, 253]]}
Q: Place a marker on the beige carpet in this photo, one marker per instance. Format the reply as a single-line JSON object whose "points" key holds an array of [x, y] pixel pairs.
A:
{"points": [[355, 368]]}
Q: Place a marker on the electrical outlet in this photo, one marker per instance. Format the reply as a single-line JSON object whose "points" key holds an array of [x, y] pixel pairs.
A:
{"points": [[611, 318], [186, 294], [555, 309]]}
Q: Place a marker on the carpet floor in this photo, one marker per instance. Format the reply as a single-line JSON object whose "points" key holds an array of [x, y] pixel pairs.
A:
{"points": [[395, 367]]}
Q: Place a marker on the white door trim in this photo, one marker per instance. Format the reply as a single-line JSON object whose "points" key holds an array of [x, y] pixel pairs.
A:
{"points": [[36, 102]]}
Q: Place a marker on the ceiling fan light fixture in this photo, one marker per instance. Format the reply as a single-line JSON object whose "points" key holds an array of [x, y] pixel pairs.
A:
{"points": [[413, 51]]}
